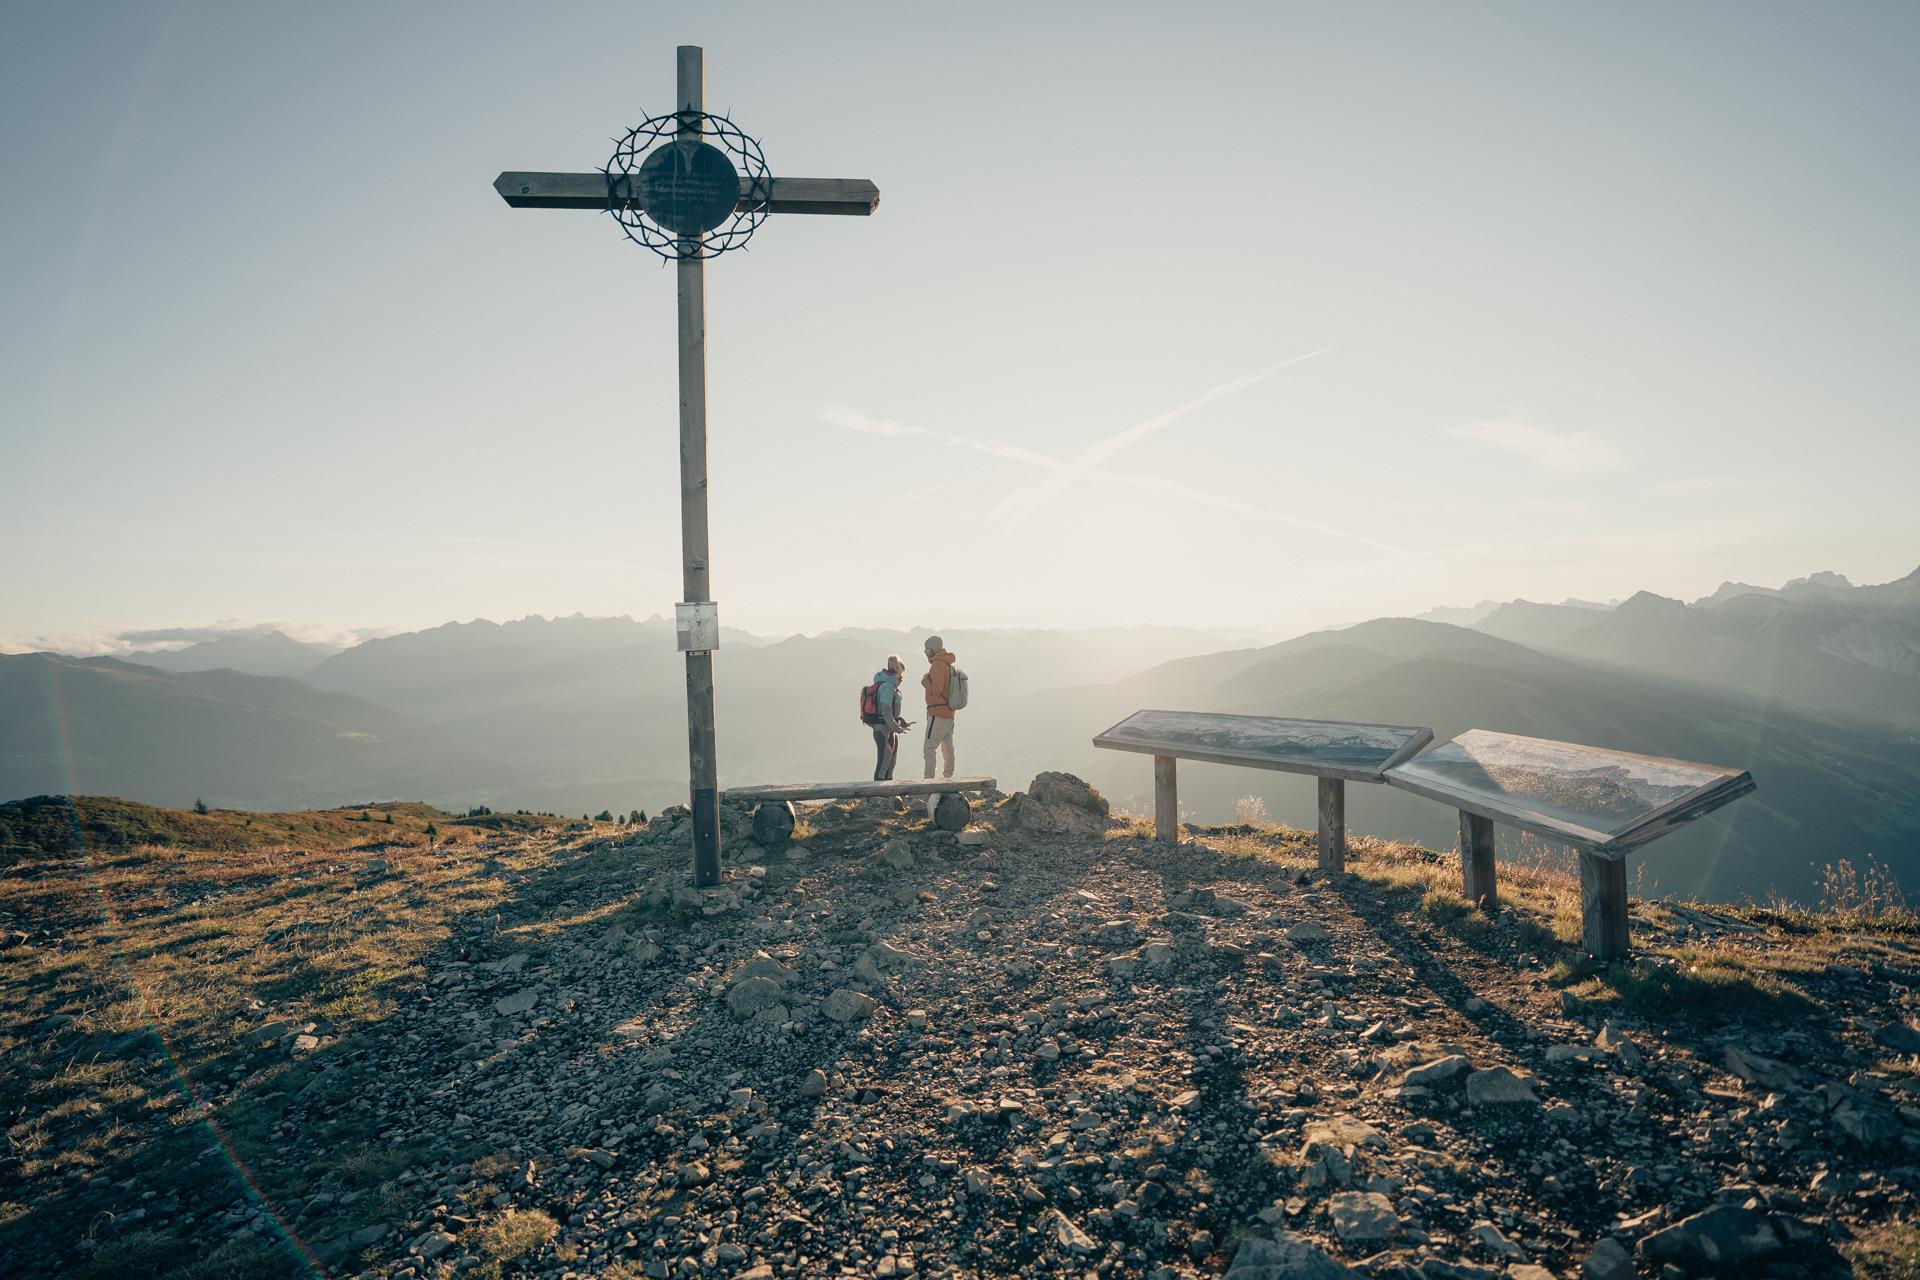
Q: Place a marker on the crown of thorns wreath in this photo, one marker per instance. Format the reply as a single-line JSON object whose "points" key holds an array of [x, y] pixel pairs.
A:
{"points": [[674, 198]]}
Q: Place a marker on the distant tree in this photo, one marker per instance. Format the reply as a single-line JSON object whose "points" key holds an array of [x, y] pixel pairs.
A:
{"points": [[603, 816], [200, 806], [365, 816], [636, 817], [389, 819], [433, 833]]}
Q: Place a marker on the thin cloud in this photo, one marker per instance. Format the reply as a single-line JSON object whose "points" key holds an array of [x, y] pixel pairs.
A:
{"points": [[854, 420], [1160, 484], [1562, 451]]}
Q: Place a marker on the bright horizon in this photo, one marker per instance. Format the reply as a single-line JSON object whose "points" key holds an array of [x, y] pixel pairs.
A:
{"points": [[1437, 306]]}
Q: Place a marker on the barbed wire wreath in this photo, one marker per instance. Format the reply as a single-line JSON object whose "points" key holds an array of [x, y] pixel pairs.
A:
{"points": [[691, 198]]}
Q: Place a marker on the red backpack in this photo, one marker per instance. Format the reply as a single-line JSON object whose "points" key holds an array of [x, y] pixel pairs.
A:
{"points": [[870, 704]]}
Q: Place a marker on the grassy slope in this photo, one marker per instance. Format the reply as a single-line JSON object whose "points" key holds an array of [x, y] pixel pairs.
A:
{"points": [[123, 1015]]}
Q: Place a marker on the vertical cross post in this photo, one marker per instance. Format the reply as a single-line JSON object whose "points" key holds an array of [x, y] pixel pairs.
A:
{"points": [[691, 95], [664, 204]]}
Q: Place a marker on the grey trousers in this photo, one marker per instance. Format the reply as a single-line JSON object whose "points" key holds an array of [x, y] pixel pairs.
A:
{"points": [[886, 749]]}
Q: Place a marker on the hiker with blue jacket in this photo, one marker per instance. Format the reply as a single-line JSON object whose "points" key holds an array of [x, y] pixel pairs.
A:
{"points": [[880, 711]]}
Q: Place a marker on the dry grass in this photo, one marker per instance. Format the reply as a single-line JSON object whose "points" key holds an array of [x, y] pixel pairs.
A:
{"points": [[507, 1239], [160, 959], [1869, 895], [1890, 1251]]}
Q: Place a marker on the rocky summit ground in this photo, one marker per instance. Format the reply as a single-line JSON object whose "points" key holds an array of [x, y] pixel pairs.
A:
{"points": [[1046, 1046]]}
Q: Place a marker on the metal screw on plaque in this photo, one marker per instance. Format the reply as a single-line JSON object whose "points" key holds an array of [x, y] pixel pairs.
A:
{"points": [[690, 186]]}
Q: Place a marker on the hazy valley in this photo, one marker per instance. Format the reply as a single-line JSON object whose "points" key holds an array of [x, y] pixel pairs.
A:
{"points": [[1814, 687]]}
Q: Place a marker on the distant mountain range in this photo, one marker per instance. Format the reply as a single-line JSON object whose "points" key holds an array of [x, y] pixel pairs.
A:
{"points": [[1814, 687], [273, 653], [1818, 644], [72, 725]]}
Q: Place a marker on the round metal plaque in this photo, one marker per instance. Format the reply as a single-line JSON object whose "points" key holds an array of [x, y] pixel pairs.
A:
{"points": [[689, 187]]}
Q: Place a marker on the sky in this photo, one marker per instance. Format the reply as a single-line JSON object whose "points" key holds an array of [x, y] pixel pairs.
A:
{"points": [[1263, 315]]}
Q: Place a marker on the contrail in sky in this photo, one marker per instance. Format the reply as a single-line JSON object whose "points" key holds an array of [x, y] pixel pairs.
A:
{"points": [[1021, 503], [1087, 464]]}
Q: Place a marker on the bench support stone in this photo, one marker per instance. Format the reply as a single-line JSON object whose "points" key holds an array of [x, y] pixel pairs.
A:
{"points": [[1476, 860], [773, 822], [1333, 826], [953, 812], [1166, 800], [1603, 906]]}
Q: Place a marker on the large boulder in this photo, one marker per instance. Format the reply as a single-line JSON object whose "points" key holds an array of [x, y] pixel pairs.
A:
{"points": [[1721, 1237], [1285, 1257], [1058, 804], [1053, 787]]}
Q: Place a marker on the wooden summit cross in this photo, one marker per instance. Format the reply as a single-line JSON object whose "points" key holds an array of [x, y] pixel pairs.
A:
{"points": [[686, 189]]}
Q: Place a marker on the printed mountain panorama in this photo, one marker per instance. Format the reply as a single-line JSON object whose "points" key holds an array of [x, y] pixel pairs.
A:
{"points": [[1814, 687]]}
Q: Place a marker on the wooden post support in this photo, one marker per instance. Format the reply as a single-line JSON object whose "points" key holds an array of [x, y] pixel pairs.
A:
{"points": [[1166, 801], [1476, 860], [696, 584], [1333, 826], [1603, 906]]}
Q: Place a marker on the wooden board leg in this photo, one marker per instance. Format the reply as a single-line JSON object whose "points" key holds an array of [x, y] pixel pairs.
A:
{"points": [[1603, 906], [1476, 860], [1333, 825], [1166, 801]]}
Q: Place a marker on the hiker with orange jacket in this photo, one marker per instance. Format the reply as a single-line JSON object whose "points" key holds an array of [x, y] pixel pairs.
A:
{"points": [[938, 683]]}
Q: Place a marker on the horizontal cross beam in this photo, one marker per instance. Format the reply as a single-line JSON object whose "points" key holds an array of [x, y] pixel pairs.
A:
{"points": [[855, 196]]}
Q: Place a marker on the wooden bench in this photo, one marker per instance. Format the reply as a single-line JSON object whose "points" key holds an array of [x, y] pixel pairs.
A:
{"points": [[1334, 751], [1603, 803], [773, 815]]}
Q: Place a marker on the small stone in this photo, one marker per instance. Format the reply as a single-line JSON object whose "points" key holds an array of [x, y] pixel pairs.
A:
{"points": [[813, 1084], [1613, 1041], [1562, 1053], [1438, 1072], [1901, 1037], [1495, 1243], [433, 1244], [1068, 1235], [1767, 1073], [1307, 933], [695, 1175], [1497, 1086], [1363, 1217], [848, 1005], [750, 995], [519, 1002]]}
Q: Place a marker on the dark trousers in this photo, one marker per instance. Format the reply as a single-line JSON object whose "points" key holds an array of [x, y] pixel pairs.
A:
{"points": [[886, 746]]}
